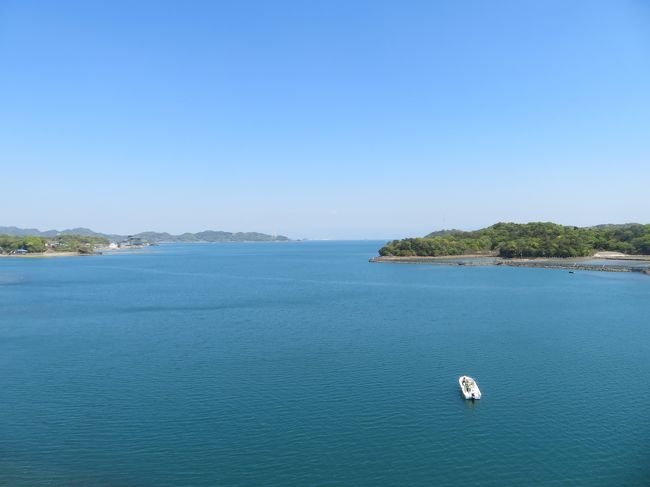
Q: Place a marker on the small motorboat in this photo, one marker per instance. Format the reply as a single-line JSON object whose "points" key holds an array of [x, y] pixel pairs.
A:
{"points": [[469, 388]]}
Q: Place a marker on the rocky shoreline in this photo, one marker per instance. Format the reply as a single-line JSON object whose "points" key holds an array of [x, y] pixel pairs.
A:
{"points": [[483, 260]]}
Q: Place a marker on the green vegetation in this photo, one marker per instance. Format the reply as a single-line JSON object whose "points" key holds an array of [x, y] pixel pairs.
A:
{"points": [[527, 240], [9, 244], [61, 243], [76, 243]]}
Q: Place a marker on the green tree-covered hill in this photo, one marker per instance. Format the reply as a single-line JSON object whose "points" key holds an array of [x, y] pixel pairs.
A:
{"points": [[528, 240], [61, 243]]}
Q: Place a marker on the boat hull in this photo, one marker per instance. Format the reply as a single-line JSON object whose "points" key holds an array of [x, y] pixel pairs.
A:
{"points": [[469, 388]]}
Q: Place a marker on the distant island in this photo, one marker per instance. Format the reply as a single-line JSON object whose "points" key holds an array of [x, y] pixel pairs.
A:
{"points": [[510, 240], [21, 241]]}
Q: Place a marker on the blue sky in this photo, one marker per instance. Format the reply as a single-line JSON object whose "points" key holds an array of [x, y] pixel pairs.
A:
{"points": [[330, 119]]}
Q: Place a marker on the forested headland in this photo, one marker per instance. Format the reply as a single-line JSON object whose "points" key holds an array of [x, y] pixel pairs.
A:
{"points": [[32, 244], [526, 240]]}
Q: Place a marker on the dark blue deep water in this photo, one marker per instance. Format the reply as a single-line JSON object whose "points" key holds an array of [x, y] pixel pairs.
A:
{"points": [[303, 364]]}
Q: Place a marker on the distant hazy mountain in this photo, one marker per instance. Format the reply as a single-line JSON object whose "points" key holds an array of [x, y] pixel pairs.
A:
{"points": [[23, 232], [153, 237]]}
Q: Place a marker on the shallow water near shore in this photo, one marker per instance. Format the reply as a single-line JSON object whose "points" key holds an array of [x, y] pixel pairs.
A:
{"points": [[303, 364]]}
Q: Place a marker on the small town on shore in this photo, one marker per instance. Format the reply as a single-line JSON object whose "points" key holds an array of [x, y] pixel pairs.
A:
{"points": [[31, 246]]}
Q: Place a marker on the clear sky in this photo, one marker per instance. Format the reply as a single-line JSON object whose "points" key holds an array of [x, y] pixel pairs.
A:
{"points": [[323, 119]]}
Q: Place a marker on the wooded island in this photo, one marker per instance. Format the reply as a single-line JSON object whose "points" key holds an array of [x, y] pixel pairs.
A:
{"points": [[510, 240]]}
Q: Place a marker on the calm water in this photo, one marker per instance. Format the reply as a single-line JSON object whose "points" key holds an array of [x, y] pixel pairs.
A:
{"points": [[303, 364]]}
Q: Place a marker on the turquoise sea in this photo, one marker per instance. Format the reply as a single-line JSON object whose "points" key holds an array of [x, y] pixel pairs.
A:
{"points": [[301, 364]]}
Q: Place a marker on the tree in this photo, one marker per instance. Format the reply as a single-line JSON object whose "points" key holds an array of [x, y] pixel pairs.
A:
{"points": [[33, 244]]}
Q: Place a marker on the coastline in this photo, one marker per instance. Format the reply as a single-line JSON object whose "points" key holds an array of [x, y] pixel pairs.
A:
{"points": [[45, 255], [98, 251], [571, 264]]}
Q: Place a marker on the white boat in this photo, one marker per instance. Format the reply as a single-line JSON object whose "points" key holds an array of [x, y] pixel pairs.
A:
{"points": [[469, 387]]}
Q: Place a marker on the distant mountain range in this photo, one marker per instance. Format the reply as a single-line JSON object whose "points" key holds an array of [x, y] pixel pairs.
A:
{"points": [[153, 237]]}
